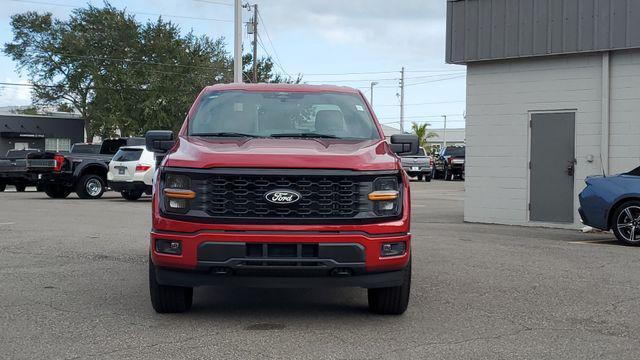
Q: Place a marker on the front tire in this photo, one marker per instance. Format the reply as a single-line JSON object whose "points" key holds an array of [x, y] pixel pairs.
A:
{"points": [[427, 177], [132, 195], [419, 177], [56, 191], [168, 299], [3, 186], [90, 186], [393, 300], [626, 223], [21, 188]]}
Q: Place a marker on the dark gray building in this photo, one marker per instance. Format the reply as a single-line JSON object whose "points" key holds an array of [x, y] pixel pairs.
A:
{"points": [[553, 96], [54, 133]]}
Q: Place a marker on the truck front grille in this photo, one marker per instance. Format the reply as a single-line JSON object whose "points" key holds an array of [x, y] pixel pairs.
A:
{"points": [[231, 196]]}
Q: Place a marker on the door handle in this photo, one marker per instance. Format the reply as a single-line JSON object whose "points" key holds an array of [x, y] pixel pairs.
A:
{"points": [[571, 168]]}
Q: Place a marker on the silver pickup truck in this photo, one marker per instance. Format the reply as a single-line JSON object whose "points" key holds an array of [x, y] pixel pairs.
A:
{"points": [[418, 166]]}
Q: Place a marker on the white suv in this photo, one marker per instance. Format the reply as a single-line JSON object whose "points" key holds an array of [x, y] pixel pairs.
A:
{"points": [[131, 172]]}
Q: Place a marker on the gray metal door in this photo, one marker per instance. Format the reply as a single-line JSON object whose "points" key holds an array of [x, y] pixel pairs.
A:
{"points": [[552, 167]]}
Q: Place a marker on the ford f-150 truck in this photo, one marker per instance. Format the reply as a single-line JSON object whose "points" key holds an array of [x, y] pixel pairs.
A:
{"points": [[283, 186]]}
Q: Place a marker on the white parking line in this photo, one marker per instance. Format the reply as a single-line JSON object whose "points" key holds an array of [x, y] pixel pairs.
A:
{"points": [[588, 242], [7, 223]]}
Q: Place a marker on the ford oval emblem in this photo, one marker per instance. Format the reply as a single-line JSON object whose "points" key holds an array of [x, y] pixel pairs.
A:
{"points": [[282, 196]]}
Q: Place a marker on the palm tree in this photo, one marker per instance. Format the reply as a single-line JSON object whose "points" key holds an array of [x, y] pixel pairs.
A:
{"points": [[423, 133]]}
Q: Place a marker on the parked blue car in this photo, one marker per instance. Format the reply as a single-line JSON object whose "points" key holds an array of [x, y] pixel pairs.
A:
{"points": [[613, 203]]}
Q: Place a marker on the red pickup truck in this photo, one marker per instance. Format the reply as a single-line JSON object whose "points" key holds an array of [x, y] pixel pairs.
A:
{"points": [[282, 186]]}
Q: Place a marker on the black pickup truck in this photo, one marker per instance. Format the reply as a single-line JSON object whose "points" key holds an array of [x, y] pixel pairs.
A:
{"points": [[449, 163], [60, 174], [13, 170]]}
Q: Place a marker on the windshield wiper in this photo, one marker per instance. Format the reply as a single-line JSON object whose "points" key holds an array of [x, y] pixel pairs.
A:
{"points": [[305, 135], [225, 134]]}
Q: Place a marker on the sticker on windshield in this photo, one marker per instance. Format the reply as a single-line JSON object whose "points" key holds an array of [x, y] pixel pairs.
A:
{"points": [[359, 108], [238, 107]]}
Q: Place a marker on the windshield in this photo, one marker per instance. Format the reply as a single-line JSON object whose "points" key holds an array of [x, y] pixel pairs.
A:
{"points": [[283, 114], [85, 149], [454, 151]]}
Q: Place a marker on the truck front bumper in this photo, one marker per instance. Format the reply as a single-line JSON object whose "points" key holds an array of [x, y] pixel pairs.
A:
{"points": [[279, 259]]}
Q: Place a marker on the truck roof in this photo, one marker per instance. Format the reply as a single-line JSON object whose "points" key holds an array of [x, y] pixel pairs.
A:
{"points": [[282, 87]]}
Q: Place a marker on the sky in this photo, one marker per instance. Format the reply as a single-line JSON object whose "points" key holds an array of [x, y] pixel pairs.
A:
{"points": [[350, 43]]}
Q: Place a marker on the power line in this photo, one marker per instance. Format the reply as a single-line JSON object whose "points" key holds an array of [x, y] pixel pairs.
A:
{"points": [[132, 12], [425, 103], [164, 90], [264, 48], [431, 81], [386, 79], [421, 116], [426, 82], [374, 72], [137, 61], [213, 2], [275, 52]]}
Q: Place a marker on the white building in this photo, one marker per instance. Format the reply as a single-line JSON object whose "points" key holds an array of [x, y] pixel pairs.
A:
{"points": [[553, 96]]}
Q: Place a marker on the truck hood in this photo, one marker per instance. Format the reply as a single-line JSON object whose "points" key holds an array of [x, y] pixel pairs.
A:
{"points": [[199, 152]]}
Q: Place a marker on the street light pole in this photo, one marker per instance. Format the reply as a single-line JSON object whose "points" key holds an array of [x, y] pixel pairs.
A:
{"points": [[444, 133], [373, 83], [237, 44], [402, 100]]}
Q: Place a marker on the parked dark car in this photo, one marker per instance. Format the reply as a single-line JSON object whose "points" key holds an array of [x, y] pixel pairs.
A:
{"points": [[449, 163], [419, 165], [60, 174], [613, 203], [13, 170]]}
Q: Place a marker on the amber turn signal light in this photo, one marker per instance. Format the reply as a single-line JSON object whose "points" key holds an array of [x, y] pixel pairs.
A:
{"points": [[383, 195], [179, 194]]}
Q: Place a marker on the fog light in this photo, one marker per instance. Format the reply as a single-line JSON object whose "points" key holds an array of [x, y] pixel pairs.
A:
{"points": [[393, 249], [178, 203], [386, 205], [173, 247]]}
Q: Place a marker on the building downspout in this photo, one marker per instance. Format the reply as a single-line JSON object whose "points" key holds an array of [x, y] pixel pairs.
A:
{"points": [[606, 113]]}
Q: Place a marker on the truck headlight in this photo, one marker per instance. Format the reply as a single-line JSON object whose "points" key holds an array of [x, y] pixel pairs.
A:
{"points": [[177, 193], [385, 196]]}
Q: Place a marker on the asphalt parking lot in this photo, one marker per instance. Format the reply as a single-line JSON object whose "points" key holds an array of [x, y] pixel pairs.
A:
{"points": [[73, 284]]}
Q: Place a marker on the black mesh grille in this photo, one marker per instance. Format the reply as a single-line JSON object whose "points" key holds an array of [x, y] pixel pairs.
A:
{"points": [[244, 196]]}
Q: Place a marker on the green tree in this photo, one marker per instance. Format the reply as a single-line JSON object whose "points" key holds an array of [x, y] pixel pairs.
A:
{"points": [[64, 107], [119, 74], [423, 133]]}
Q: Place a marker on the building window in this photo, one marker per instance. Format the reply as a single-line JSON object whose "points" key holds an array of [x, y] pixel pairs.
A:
{"points": [[55, 144]]}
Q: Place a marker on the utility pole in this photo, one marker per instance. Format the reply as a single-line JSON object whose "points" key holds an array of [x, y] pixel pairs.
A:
{"points": [[402, 100], [252, 29], [444, 133], [237, 44], [373, 83]]}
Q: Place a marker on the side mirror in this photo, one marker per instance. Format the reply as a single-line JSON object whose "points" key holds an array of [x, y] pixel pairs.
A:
{"points": [[405, 144], [159, 141]]}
